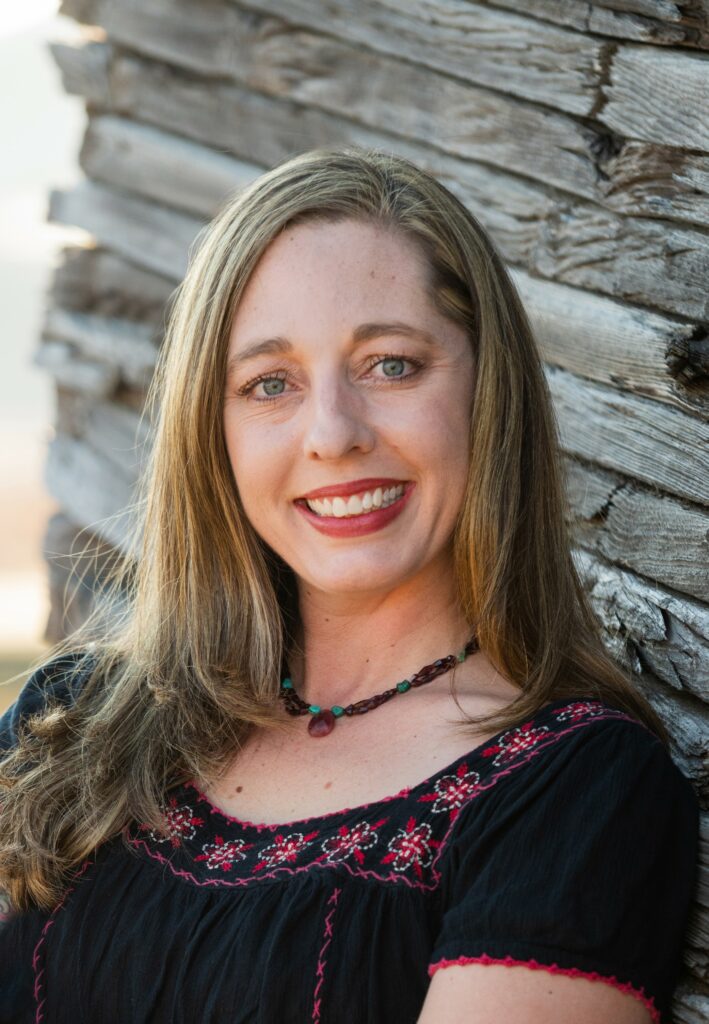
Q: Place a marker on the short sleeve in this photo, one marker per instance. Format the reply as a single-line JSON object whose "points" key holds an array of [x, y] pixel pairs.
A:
{"points": [[583, 862], [58, 681]]}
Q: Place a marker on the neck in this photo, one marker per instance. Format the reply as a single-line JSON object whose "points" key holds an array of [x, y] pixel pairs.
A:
{"points": [[357, 646]]}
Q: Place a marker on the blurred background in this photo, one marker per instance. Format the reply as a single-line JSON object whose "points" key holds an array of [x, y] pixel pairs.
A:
{"points": [[41, 127]]}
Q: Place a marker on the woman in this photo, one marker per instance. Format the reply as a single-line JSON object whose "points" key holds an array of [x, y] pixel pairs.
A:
{"points": [[354, 752]]}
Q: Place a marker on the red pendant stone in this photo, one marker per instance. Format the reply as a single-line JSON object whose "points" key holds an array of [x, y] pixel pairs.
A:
{"points": [[322, 723]]}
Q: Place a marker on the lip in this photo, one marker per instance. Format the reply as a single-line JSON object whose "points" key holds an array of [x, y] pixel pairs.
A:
{"points": [[352, 487], [356, 526]]}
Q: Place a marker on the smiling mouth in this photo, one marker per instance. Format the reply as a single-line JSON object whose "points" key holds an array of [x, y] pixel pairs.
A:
{"points": [[356, 504]]}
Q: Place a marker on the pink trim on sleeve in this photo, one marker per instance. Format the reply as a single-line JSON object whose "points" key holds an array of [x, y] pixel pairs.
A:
{"points": [[572, 972]]}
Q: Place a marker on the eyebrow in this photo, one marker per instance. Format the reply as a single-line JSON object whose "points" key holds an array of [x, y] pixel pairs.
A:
{"points": [[365, 332]]}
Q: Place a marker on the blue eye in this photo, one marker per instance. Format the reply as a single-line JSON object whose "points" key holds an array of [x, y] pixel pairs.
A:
{"points": [[268, 385], [395, 362]]}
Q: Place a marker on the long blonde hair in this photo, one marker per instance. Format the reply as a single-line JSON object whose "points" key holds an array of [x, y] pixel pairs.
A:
{"points": [[173, 681]]}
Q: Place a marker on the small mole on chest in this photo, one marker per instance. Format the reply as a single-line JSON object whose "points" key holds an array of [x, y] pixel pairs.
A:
{"points": [[327, 785], [239, 789]]}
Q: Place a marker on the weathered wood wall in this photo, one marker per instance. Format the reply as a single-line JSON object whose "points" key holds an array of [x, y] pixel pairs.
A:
{"points": [[577, 133]]}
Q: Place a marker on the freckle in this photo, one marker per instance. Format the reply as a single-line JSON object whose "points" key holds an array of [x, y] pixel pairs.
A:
{"points": [[327, 785], [239, 789]]}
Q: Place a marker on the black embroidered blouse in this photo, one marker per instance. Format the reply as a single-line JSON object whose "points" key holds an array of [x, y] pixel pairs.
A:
{"points": [[566, 844]]}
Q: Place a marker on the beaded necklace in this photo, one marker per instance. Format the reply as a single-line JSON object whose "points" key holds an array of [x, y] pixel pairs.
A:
{"points": [[323, 720]]}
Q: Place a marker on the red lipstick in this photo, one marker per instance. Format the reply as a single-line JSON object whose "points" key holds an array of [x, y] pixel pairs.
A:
{"points": [[356, 526], [353, 487]]}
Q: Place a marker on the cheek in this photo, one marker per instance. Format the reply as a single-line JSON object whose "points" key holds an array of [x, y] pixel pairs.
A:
{"points": [[259, 465]]}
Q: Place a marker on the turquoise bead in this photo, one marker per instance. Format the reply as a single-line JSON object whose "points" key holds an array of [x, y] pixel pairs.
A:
{"points": [[403, 686], [287, 684], [337, 710], [314, 709]]}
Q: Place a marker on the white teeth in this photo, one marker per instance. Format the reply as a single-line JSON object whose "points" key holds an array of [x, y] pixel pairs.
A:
{"points": [[339, 507], [356, 504]]}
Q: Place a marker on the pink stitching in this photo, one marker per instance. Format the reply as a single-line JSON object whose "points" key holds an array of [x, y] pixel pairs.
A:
{"points": [[475, 752], [327, 939], [552, 738], [39, 1014], [572, 972]]}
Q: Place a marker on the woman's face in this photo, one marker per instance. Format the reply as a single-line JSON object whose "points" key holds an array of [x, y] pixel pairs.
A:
{"points": [[343, 379]]}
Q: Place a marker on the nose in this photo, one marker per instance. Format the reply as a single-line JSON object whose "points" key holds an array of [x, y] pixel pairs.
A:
{"points": [[336, 420]]}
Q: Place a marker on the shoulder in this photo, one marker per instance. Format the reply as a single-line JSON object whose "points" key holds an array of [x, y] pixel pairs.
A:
{"points": [[590, 760], [58, 681], [583, 858]]}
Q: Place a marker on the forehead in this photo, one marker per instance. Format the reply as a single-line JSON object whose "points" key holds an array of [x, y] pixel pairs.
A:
{"points": [[319, 274]]}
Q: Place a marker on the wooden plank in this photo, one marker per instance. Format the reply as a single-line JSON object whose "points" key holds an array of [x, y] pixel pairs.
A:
{"points": [[658, 96], [116, 429], [588, 247], [100, 281], [70, 370], [129, 349], [162, 166], [663, 22], [368, 88], [649, 180], [85, 69], [638, 178], [478, 44], [641, 261], [622, 346], [580, 244], [91, 490], [665, 540], [648, 628], [143, 232], [266, 128], [635, 436], [687, 720]]}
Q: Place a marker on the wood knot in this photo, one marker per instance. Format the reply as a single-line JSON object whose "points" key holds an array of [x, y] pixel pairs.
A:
{"points": [[687, 359]]}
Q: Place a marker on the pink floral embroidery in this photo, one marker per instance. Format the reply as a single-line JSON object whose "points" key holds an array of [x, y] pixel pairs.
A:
{"points": [[284, 848], [516, 741], [580, 709], [221, 854], [360, 846], [350, 842], [452, 791], [180, 821], [411, 847]]}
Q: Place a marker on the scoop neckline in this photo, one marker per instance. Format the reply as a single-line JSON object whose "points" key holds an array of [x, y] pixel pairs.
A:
{"points": [[475, 753]]}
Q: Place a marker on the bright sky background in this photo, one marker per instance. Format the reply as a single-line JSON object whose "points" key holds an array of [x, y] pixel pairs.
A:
{"points": [[41, 129]]}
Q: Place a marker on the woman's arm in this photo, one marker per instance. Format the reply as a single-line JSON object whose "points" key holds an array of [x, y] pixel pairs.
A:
{"points": [[497, 994]]}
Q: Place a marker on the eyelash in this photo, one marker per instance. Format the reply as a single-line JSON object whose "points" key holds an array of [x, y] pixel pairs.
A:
{"points": [[249, 386]]}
